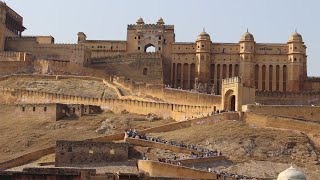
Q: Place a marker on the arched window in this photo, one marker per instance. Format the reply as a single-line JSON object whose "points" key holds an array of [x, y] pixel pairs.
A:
{"points": [[149, 48]]}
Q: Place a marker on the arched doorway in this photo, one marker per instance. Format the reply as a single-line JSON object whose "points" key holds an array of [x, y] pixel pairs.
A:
{"points": [[230, 100], [149, 48], [233, 103]]}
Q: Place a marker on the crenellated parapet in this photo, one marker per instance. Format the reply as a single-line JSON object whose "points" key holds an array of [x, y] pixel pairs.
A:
{"points": [[177, 111], [135, 26], [231, 80], [287, 94]]}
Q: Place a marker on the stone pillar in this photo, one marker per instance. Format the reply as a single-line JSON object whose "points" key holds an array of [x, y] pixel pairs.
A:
{"points": [[267, 77], [182, 69], [215, 78], [281, 78], [227, 69], [274, 78], [233, 70], [260, 78], [172, 75], [175, 75], [189, 76]]}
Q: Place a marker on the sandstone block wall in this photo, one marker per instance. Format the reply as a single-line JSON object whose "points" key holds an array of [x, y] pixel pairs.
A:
{"points": [[178, 112], [157, 169], [287, 98], [310, 113], [45, 112], [75, 153], [261, 120], [171, 95]]}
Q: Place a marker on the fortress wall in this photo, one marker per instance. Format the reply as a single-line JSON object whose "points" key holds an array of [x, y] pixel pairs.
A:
{"points": [[12, 67], [263, 121], [66, 68], [212, 159], [287, 98], [30, 111], [89, 153], [29, 157], [157, 169], [20, 44], [178, 112], [310, 113], [145, 143], [172, 95]]}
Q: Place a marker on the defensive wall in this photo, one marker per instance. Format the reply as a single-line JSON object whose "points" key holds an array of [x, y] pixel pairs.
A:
{"points": [[177, 112], [146, 143], [89, 153], [212, 159], [157, 169], [287, 98], [145, 67], [309, 113], [28, 157], [45, 112], [262, 120], [12, 67], [169, 94]]}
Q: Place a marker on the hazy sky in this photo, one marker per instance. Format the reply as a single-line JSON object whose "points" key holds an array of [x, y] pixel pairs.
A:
{"points": [[224, 20]]}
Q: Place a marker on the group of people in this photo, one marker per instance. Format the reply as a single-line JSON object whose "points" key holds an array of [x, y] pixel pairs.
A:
{"points": [[169, 161], [206, 153], [237, 176]]}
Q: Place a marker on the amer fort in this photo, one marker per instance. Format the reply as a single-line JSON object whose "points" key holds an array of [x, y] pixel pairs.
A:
{"points": [[153, 108]]}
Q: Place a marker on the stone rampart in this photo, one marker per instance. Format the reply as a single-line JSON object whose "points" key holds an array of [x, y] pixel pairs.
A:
{"points": [[32, 156], [176, 111], [212, 159], [146, 143], [157, 169], [287, 98], [171, 95], [13, 67], [309, 113], [89, 153], [262, 120]]}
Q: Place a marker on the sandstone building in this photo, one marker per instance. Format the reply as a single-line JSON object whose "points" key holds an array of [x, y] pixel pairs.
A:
{"points": [[200, 65]]}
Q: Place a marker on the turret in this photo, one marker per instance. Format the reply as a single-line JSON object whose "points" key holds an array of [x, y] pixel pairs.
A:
{"points": [[203, 43], [247, 46], [81, 37], [160, 22], [297, 67]]}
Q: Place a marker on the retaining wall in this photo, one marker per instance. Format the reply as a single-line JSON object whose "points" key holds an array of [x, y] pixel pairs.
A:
{"points": [[311, 113]]}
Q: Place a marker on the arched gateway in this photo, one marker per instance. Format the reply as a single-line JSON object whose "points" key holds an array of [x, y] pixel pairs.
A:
{"points": [[235, 94]]}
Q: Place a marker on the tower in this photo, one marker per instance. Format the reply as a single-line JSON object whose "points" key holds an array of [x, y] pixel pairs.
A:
{"points": [[297, 68], [3, 12], [247, 46], [203, 45], [81, 37]]}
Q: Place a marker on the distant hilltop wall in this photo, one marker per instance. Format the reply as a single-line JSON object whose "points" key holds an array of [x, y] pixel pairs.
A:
{"points": [[177, 112], [169, 94]]}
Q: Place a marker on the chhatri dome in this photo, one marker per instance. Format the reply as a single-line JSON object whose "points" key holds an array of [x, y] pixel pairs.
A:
{"points": [[247, 36], [160, 21], [203, 36], [291, 174], [140, 21], [295, 37]]}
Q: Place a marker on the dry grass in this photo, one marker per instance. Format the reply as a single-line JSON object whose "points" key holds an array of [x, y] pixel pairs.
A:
{"points": [[76, 87], [18, 137]]}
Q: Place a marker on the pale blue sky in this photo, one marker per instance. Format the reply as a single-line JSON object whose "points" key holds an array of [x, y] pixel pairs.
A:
{"points": [[225, 21]]}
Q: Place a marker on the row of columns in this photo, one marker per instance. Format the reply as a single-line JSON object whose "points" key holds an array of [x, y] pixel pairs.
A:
{"points": [[271, 77], [183, 75], [222, 71], [14, 25]]}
